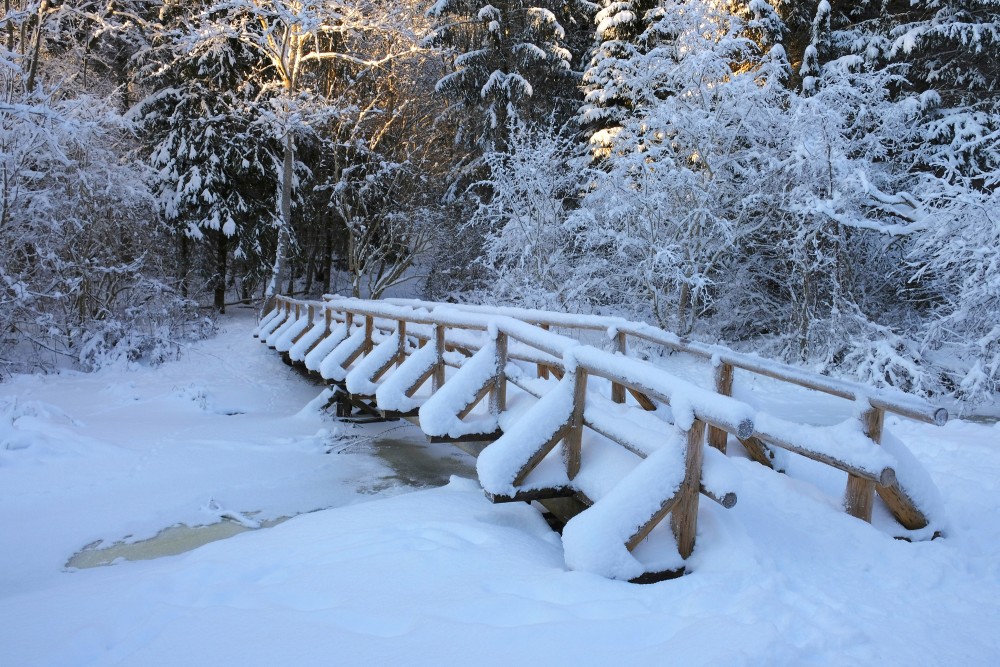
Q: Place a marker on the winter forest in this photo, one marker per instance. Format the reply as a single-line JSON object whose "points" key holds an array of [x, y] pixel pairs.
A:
{"points": [[816, 181]]}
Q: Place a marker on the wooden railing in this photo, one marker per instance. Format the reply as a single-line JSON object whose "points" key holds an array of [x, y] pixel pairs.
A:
{"points": [[420, 340]]}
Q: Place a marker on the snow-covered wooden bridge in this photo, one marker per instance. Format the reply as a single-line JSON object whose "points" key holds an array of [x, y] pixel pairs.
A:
{"points": [[610, 443]]}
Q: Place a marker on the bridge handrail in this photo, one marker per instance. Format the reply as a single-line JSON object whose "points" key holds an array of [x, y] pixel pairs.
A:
{"points": [[449, 330], [890, 400]]}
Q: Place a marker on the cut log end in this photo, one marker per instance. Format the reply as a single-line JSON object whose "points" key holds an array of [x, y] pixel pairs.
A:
{"points": [[887, 477], [744, 429], [940, 417]]}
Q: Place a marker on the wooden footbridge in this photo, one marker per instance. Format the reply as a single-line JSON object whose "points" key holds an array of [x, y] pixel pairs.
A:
{"points": [[610, 443]]}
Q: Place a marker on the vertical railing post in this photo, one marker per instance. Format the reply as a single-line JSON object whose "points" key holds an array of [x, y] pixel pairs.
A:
{"points": [[329, 320], [400, 341], [859, 497], [723, 385], [573, 442], [369, 329], [618, 346], [298, 310], [438, 377], [684, 516], [543, 371], [498, 392]]}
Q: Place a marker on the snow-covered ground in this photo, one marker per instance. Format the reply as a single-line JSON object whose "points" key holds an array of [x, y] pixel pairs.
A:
{"points": [[393, 575]]}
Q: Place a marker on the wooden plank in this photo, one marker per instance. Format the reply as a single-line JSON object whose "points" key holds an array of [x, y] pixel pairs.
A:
{"points": [[727, 500], [311, 317], [859, 496], [723, 385], [572, 445], [684, 517]]}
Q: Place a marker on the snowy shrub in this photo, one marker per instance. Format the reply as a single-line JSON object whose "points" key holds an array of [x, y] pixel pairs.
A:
{"points": [[527, 196], [78, 269]]}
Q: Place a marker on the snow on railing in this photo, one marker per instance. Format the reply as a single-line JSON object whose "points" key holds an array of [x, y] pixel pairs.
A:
{"points": [[422, 339]]}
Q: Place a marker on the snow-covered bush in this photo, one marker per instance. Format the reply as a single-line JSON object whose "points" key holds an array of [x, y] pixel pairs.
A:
{"points": [[80, 277], [531, 188]]}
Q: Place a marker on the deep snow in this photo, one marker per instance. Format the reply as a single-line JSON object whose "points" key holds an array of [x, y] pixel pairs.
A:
{"points": [[439, 575]]}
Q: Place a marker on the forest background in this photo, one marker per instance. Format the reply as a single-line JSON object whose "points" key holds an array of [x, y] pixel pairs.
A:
{"points": [[813, 181]]}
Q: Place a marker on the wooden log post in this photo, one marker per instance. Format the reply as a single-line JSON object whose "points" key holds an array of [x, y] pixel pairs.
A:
{"points": [[723, 385], [311, 314], [618, 346], [329, 321], [859, 497], [684, 516], [498, 392], [400, 342], [543, 370], [369, 329], [572, 443], [438, 376]]}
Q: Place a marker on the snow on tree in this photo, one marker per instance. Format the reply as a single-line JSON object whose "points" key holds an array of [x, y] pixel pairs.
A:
{"points": [[78, 284], [212, 160], [511, 63], [678, 185], [292, 38], [531, 188]]}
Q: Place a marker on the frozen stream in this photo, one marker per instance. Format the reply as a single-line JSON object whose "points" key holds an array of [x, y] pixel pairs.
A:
{"points": [[412, 464]]}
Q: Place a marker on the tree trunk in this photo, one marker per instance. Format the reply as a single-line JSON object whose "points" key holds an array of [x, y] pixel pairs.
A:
{"points": [[221, 257], [185, 264], [279, 270], [328, 258]]}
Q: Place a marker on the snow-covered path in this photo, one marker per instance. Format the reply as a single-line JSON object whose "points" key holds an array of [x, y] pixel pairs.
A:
{"points": [[437, 576]]}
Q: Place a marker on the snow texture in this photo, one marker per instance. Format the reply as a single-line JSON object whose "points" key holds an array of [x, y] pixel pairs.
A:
{"points": [[594, 540], [284, 342], [500, 462], [439, 414], [359, 379], [298, 351], [315, 358], [332, 366], [783, 578], [391, 393]]}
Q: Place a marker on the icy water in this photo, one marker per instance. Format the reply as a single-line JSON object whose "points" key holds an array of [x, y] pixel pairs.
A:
{"points": [[414, 465]]}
